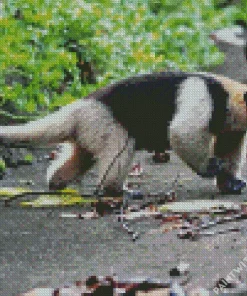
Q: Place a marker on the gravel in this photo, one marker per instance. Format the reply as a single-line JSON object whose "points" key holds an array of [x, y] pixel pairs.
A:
{"points": [[40, 249]]}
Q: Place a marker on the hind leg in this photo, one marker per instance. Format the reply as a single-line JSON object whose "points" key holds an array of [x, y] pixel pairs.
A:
{"points": [[114, 161], [229, 148], [70, 162]]}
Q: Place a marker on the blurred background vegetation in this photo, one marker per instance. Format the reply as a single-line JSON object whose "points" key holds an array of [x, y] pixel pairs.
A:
{"points": [[54, 52]]}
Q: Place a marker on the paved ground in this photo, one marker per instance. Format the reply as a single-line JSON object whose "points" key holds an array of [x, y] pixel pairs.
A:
{"points": [[37, 248]]}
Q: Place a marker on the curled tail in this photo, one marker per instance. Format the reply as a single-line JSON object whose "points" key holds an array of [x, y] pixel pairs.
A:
{"points": [[56, 127]]}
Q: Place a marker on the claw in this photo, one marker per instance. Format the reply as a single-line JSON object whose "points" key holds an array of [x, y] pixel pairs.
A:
{"points": [[234, 186]]}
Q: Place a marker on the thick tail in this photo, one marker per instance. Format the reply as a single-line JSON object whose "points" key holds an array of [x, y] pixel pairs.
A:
{"points": [[53, 128]]}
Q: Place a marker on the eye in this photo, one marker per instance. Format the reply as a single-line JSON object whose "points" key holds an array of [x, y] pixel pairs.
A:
{"points": [[240, 35]]}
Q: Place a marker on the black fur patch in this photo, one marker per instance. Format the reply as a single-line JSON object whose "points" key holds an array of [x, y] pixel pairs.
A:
{"points": [[228, 142], [220, 98], [145, 105], [245, 98]]}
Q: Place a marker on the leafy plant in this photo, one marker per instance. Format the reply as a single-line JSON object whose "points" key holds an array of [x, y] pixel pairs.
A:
{"points": [[54, 52], [241, 15], [28, 158], [2, 166]]}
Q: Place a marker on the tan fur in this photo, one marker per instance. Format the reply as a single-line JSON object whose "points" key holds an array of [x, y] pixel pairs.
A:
{"points": [[235, 121], [88, 129], [97, 134], [54, 128], [237, 115], [66, 164]]}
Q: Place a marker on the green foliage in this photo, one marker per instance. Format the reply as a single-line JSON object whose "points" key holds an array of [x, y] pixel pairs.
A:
{"points": [[2, 166], [242, 11], [28, 158], [44, 43]]}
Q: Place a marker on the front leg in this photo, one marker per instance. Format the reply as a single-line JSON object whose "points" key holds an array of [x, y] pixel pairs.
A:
{"points": [[229, 148]]}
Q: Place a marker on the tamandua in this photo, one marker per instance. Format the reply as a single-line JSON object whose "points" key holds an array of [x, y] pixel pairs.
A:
{"points": [[201, 116]]}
